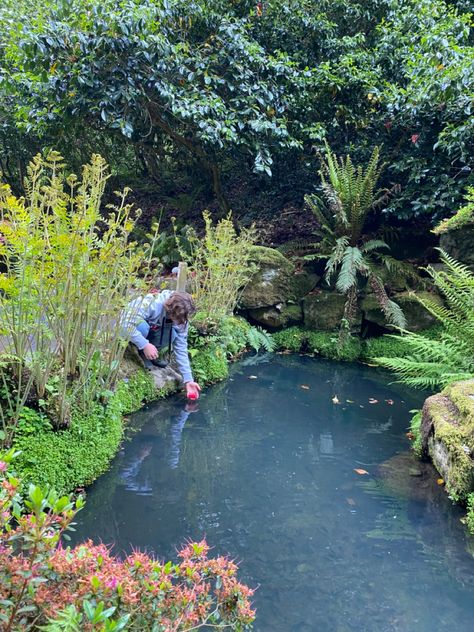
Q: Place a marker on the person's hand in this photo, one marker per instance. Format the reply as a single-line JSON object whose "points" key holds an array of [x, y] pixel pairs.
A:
{"points": [[150, 351], [192, 390]]}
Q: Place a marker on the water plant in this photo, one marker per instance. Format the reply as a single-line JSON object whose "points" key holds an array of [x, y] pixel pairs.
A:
{"points": [[45, 585]]}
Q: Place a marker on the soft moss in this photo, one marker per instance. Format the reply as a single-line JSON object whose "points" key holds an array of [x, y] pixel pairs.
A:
{"points": [[291, 339], [76, 456], [324, 343]]}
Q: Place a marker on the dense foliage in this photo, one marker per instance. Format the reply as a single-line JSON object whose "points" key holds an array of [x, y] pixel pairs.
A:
{"points": [[46, 584], [224, 88], [435, 362], [67, 275]]}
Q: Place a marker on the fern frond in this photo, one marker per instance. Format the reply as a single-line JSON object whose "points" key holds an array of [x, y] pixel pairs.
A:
{"points": [[352, 261], [258, 339], [374, 244]]}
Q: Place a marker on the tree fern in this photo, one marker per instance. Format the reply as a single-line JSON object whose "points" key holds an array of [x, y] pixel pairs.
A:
{"points": [[434, 363], [349, 194]]}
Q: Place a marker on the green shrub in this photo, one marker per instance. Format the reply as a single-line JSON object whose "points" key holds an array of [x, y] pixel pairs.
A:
{"points": [[291, 339], [75, 457], [470, 513], [328, 345], [209, 364]]}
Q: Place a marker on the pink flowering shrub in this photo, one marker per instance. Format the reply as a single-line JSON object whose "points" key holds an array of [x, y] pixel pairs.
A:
{"points": [[45, 585]]}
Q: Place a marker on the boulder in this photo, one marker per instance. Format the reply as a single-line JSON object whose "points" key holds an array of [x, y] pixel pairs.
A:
{"points": [[277, 317], [323, 311], [302, 282], [447, 435], [165, 380], [272, 282], [459, 244], [418, 318]]}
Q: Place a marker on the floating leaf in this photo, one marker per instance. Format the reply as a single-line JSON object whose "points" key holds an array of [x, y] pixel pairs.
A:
{"points": [[253, 377], [335, 400], [359, 471], [351, 502], [304, 387], [349, 401], [410, 435], [373, 401], [440, 481]]}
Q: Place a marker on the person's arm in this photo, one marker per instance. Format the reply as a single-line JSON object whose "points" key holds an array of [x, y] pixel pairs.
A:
{"points": [[180, 350]]}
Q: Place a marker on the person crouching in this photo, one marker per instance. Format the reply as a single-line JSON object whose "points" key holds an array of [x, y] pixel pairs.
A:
{"points": [[161, 321]]}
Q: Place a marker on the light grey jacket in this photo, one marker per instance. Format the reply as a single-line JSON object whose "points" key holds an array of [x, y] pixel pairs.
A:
{"points": [[151, 309]]}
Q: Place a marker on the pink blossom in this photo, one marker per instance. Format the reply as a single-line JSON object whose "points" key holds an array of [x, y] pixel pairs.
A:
{"points": [[414, 138]]}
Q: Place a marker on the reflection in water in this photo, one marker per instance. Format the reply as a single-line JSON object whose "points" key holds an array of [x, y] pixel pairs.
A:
{"points": [[265, 470]]}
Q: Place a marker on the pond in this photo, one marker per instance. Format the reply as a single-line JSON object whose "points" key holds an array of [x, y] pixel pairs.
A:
{"points": [[266, 470]]}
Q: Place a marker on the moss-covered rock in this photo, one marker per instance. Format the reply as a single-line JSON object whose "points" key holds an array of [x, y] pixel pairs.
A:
{"points": [[459, 244], [277, 317], [447, 432], [418, 318], [272, 282], [323, 311], [303, 282]]}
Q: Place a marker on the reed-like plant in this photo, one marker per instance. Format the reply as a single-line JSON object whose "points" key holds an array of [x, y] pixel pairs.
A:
{"points": [[220, 265], [66, 275]]}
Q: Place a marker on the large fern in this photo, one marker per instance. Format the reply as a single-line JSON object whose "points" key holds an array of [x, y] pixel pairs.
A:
{"points": [[258, 339], [350, 193], [449, 358]]}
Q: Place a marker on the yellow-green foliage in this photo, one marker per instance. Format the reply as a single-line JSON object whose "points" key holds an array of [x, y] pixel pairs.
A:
{"points": [[68, 272], [76, 456], [221, 264]]}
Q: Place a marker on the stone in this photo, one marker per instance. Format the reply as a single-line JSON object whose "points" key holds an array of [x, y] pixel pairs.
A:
{"points": [[447, 429], [167, 379], [418, 318], [277, 317], [272, 282], [323, 311], [302, 282], [459, 244]]}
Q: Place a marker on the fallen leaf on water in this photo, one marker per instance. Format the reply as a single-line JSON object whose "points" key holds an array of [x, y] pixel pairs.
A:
{"points": [[335, 400], [351, 502], [389, 402], [373, 401], [440, 481], [304, 386], [253, 377], [350, 401], [359, 471], [410, 435]]}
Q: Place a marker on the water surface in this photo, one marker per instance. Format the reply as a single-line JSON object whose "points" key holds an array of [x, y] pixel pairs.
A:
{"points": [[265, 469]]}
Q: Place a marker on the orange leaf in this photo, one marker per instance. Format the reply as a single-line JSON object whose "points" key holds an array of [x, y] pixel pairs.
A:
{"points": [[304, 386], [389, 402], [440, 481], [410, 435], [359, 471]]}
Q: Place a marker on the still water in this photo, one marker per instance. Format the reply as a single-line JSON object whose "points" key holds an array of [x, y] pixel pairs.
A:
{"points": [[265, 469]]}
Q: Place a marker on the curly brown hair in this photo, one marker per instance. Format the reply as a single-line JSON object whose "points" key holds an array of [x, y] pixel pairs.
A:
{"points": [[180, 307]]}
